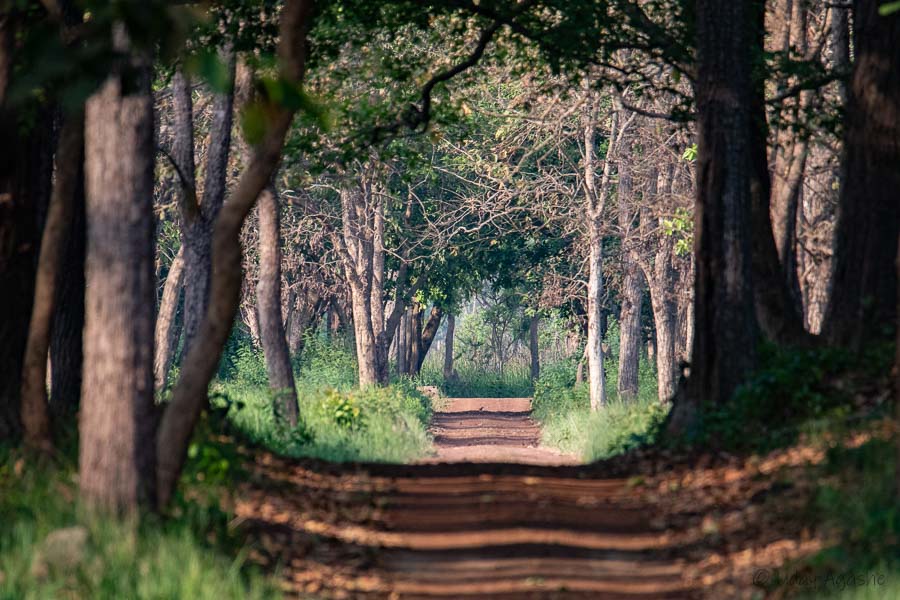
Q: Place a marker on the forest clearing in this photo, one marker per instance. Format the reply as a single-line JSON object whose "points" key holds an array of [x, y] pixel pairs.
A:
{"points": [[449, 299]]}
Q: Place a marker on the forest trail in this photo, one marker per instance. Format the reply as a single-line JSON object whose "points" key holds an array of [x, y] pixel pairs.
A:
{"points": [[509, 529], [490, 430]]}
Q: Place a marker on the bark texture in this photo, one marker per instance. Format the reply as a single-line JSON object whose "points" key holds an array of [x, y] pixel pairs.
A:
{"points": [[116, 459], [725, 331], [198, 219], [864, 291], [632, 288], [271, 326]]}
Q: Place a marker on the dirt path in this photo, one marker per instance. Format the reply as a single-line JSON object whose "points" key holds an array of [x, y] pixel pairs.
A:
{"points": [[490, 430], [636, 528]]}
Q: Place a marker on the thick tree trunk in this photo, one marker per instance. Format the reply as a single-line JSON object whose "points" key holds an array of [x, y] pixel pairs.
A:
{"points": [[268, 293], [69, 157], [190, 393], [534, 347], [864, 291], [725, 331], [448, 348], [166, 330], [117, 421]]}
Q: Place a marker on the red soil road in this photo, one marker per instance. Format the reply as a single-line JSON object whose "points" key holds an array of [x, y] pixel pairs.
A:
{"points": [[490, 430], [628, 529]]}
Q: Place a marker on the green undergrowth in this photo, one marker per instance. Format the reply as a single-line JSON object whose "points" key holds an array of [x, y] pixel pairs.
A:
{"points": [[51, 547], [563, 409], [839, 401], [796, 392], [338, 421], [473, 382]]}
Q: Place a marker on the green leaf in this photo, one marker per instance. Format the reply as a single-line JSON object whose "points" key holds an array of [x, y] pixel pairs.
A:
{"points": [[889, 8], [207, 65]]}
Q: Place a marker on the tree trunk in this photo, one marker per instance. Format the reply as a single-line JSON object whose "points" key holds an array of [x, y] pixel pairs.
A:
{"points": [[632, 288], [70, 154], [271, 326], [725, 331], [116, 459], [402, 351], [414, 340], [448, 348], [190, 393], [630, 333], [22, 180], [534, 347], [199, 219], [377, 301], [66, 343], [358, 263], [595, 200], [166, 331], [428, 332], [864, 291]]}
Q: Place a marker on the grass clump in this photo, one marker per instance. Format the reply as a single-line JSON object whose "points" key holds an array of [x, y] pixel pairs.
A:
{"points": [[193, 554], [338, 421], [563, 408]]}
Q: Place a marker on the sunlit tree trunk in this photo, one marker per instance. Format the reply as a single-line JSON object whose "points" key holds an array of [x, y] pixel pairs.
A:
{"points": [[377, 301], [632, 287], [268, 293], [116, 460], [534, 346], [448, 348], [166, 330], [595, 196]]}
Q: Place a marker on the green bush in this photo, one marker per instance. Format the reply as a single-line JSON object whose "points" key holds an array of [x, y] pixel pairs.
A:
{"points": [[338, 421], [795, 391]]}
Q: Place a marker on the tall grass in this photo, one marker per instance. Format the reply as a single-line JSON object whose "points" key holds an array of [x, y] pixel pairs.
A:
{"points": [[191, 555], [474, 382], [563, 409], [338, 422]]}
